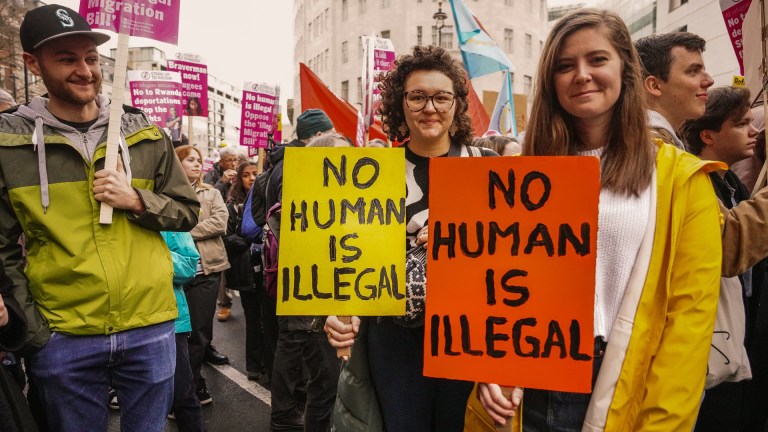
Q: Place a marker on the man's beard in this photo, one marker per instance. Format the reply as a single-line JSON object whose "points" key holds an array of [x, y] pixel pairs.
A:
{"points": [[60, 90]]}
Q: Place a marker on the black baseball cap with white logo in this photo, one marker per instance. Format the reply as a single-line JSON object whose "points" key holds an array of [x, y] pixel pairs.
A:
{"points": [[53, 21]]}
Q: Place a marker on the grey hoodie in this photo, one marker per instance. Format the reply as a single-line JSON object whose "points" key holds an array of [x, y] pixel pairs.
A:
{"points": [[37, 112], [664, 130]]}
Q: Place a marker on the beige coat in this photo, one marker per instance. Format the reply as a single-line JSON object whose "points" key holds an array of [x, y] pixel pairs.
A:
{"points": [[209, 231]]}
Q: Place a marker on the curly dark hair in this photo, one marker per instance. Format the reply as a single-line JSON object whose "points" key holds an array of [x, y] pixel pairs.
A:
{"points": [[393, 86]]}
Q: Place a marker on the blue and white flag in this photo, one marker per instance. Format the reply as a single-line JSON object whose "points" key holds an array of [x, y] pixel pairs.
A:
{"points": [[503, 119], [480, 53]]}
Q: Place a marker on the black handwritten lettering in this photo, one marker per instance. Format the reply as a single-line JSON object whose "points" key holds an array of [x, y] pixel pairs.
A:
{"points": [[357, 252], [491, 337], [449, 241], [463, 242], [495, 182], [524, 189], [540, 237], [339, 173], [360, 164], [517, 335]]}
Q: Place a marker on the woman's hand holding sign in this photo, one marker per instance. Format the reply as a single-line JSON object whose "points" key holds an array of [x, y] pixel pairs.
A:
{"points": [[341, 335], [423, 236], [499, 402]]}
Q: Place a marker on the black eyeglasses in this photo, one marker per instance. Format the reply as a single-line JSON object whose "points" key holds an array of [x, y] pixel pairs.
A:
{"points": [[416, 100]]}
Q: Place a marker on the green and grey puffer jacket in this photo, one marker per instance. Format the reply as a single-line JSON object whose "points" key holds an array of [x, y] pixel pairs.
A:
{"points": [[82, 277]]}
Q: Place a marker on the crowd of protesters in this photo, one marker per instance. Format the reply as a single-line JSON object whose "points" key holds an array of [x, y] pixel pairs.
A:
{"points": [[680, 316]]}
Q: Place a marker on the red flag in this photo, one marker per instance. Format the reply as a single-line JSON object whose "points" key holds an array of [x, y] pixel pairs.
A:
{"points": [[315, 94], [476, 111]]}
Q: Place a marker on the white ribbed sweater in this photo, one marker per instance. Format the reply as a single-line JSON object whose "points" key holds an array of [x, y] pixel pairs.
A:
{"points": [[620, 227]]}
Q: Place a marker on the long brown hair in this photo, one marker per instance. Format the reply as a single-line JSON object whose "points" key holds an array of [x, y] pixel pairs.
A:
{"points": [[628, 158], [237, 192]]}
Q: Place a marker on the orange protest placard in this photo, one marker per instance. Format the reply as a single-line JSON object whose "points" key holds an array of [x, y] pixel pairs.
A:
{"points": [[511, 270]]}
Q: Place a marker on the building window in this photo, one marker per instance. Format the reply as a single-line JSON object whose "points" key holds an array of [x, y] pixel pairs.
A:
{"points": [[528, 45], [527, 84], [363, 6], [344, 10], [345, 90], [327, 19], [446, 37], [384, 4], [344, 52], [419, 36], [327, 58], [309, 31], [509, 38], [541, 47], [385, 34], [674, 4], [360, 47]]}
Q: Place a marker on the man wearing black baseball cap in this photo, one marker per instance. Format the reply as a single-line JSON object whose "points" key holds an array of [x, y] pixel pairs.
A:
{"points": [[98, 299]]}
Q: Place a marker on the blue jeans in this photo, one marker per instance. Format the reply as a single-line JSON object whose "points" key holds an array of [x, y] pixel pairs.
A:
{"points": [[553, 411], [186, 405], [73, 375]]}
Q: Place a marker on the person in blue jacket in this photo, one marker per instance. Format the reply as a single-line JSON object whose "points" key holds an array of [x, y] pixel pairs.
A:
{"points": [[186, 406]]}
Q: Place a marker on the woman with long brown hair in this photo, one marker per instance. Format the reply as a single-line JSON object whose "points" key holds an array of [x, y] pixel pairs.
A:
{"points": [[202, 291], [658, 243]]}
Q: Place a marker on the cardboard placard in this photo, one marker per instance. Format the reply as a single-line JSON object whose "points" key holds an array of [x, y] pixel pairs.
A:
{"points": [[511, 270], [342, 232]]}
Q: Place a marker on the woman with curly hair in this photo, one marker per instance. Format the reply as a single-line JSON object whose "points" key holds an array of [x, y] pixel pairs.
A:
{"points": [[658, 244], [424, 104]]}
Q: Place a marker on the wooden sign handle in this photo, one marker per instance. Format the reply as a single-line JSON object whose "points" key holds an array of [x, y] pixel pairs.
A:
{"points": [[507, 392], [115, 116], [344, 352]]}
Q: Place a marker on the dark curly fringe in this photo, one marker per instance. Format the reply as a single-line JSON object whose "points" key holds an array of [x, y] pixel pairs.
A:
{"points": [[392, 88]]}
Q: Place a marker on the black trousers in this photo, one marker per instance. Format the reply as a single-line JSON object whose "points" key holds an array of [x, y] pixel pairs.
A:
{"points": [[255, 350], [201, 296], [270, 329], [411, 402], [297, 348]]}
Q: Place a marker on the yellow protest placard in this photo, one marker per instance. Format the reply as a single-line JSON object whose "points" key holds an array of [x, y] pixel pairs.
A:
{"points": [[738, 81], [342, 232]]}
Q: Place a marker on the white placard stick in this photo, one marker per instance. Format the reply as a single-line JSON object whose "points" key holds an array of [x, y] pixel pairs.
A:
{"points": [[115, 115]]}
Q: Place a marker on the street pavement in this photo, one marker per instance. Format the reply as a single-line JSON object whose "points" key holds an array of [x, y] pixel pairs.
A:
{"points": [[238, 404]]}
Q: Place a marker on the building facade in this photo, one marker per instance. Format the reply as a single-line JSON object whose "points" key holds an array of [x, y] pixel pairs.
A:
{"points": [[327, 38], [702, 17]]}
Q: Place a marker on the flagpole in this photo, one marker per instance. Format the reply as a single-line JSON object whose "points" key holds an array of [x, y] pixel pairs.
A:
{"points": [[512, 114]]}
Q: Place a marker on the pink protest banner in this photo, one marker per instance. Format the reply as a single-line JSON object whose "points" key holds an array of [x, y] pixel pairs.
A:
{"points": [[259, 108], [154, 19], [158, 94], [194, 80], [734, 12], [379, 57]]}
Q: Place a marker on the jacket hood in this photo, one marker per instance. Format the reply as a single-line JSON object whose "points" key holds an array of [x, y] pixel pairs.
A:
{"points": [[660, 123]]}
